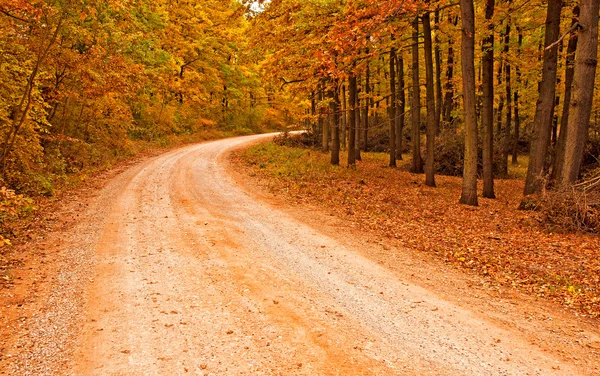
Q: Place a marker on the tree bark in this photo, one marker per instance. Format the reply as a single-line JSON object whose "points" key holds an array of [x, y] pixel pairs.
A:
{"points": [[438, 75], [415, 108], [542, 123], [449, 88], [582, 92], [487, 110], [324, 128], [392, 107], [507, 127], [500, 110], [334, 108], [515, 151], [351, 121], [469, 186], [320, 126], [430, 95], [344, 117], [357, 114], [564, 120], [365, 139], [400, 110]]}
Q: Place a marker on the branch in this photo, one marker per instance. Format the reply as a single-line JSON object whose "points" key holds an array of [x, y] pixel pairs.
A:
{"points": [[5, 12], [286, 82], [576, 25]]}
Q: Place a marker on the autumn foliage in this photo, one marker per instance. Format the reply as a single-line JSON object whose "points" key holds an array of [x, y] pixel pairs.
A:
{"points": [[86, 83]]}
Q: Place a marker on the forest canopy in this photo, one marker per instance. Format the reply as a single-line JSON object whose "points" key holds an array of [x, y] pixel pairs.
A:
{"points": [[84, 82]]}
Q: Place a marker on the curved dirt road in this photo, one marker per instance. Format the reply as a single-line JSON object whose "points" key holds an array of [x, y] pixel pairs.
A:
{"points": [[192, 275]]}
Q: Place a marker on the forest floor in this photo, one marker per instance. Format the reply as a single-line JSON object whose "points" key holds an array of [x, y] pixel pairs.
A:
{"points": [[184, 263]]}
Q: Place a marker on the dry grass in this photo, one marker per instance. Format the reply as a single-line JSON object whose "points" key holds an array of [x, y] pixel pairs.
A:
{"points": [[496, 240]]}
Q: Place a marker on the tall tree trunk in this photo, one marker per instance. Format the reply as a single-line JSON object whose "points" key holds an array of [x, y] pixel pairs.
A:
{"points": [[357, 126], [438, 74], [487, 109], [313, 111], [469, 187], [500, 110], [400, 110], [449, 88], [365, 140], [430, 93], [325, 129], [582, 92], [344, 117], [334, 108], [352, 121], [415, 108], [542, 122], [569, 72], [515, 150], [507, 128], [392, 107], [320, 125]]}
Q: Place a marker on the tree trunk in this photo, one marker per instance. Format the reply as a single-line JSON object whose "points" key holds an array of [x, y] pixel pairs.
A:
{"points": [[392, 108], [542, 122], [325, 129], [449, 89], [515, 151], [320, 121], [400, 110], [582, 92], [351, 121], [564, 120], [469, 187], [487, 109], [415, 108], [357, 125], [334, 108], [438, 75], [365, 144], [507, 128], [313, 111], [344, 117], [430, 93], [500, 110]]}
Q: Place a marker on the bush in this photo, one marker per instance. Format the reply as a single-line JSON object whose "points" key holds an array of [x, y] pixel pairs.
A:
{"points": [[297, 140], [450, 154], [572, 209]]}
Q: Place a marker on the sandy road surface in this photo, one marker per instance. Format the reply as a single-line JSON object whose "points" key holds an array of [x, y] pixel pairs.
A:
{"points": [[192, 275]]}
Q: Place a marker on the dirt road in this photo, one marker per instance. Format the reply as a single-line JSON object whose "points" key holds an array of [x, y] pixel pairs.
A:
{"points": [[184, 272]]}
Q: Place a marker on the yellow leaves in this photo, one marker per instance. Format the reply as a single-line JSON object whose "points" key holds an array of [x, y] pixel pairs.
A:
{"points": [[4, 241]]}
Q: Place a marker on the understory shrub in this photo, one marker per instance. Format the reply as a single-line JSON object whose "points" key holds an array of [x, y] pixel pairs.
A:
{"points": [[576, 208]]}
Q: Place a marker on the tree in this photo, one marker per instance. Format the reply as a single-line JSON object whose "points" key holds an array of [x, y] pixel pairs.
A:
{"points": [[569, 73], [430, 95], [392, 108], [586, 60], [487, 108], [415, 108], [542, 123], [352, 94], [400, 110], [469, 187]]}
